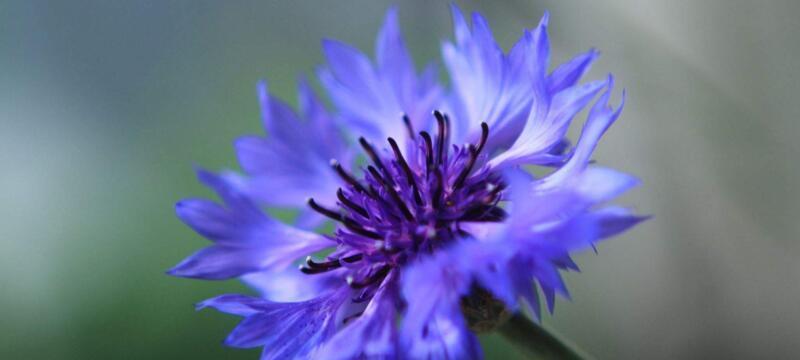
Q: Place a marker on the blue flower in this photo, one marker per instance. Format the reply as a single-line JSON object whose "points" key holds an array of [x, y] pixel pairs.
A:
{"points": [[439, 210]]}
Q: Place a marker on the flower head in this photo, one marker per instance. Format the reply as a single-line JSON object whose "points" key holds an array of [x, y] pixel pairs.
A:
{"points": [[438, 217]]}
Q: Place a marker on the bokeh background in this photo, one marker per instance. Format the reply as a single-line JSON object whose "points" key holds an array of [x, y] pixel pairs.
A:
{"points": [[106, 105]]}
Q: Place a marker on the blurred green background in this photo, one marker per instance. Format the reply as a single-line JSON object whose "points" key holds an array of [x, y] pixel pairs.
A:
{"points": [[106, 105]]}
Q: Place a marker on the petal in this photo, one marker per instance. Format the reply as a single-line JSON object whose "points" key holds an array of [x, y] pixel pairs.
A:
{"points": [[524, 288], [351, 68], [326, 139], [546, 223], [612, 221], [219, 263], [292, 163], [489, 86], [600, 118], [541, 46], [235, 304], [276, 326], [598, 184], [392, 56], [568, 74], [373, 99], [486, 263], [290, 284], [545, 129], [433, 326], [246, 240], [372, 335]]}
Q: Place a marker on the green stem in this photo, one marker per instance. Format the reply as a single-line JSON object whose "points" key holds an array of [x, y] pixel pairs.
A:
{"points": [[538, 342]]}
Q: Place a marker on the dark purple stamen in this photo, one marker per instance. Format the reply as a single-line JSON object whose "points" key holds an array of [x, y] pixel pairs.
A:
{"points": [[350, 204], [473, 155], [406, 169], [409, 126], [484, 136], [428, 150], [373, 155], [312, 267], [347, 177], [325, 211], [372, 279], [437, 193], [407, 204], [440, 143], [392, 193], [349, 223], [353, 226]]}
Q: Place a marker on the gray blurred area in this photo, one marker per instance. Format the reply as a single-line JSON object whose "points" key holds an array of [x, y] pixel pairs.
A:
{"points": [[106, 105]]}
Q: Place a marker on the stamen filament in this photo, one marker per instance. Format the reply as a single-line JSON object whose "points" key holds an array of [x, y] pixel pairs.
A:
{"points": [[407, 170], [375, 277], [409, 126], [440, 146], [428, 150], [473, 155], [347, 177], [392, 192], [350, 204]]}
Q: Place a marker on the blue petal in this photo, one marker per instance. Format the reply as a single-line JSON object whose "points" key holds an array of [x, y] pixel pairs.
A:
{"points": [[234, 304], [292, 163], [245, 239], [541, 44], [291, 284], [600, 118], [219, 263], [612, 221], [372, 335], [598, 184], [545, 129], [488, 86], [392, 56], [373, 99], [285, 330], [433, 327], [547, 221], [569, 73], [524, 288], [351, 68]]}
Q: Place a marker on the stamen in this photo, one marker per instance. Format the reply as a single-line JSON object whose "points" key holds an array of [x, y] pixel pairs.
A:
{"points": [[349, 223], [333, 264], [440, 146], [312, 267], [424, 209], [352, 258], [437, 193], [484, 136], [311, 271], [347, 177], [473, 154], [351, 317], [374, 157], [377, 276], [406, 169], [350, 204], [447, 129], [495, 191], [392, 192], [325, 211], [490, 213], [428, 150], [409, 126], [353, 226]]}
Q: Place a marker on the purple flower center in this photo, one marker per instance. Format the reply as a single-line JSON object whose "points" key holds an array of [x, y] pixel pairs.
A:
{"points": [[408, 205]]}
